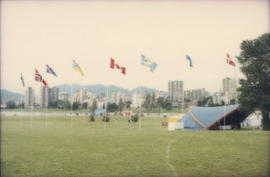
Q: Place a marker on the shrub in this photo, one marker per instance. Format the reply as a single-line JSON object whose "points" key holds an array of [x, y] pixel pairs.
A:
{"points": [[135, 118], [106, 118]]}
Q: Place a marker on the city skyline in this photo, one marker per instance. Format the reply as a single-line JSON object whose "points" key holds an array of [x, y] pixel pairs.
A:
{"points": [[93, 32], [86, 94]]}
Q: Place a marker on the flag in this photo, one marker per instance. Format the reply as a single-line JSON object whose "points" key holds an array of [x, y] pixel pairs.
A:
{"points": [[190, 61], [77, 67], [51, 71], [39, 78], [113, 64], [22, 80], [146, 62], [229, 60]]}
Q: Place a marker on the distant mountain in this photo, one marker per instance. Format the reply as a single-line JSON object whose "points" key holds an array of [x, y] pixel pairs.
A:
{"points": [[98, 89], [144, 89], [10, 96]]}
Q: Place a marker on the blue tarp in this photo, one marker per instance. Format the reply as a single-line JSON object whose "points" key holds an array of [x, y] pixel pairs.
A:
{"points": [[206, 116], [99, 112]]}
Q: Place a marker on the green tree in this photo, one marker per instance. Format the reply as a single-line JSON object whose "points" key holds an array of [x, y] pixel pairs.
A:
{"points": [[153, 100], [21, 105], [84, 105], [66, 105], [53, 104], [112, 107], [168, 106], [232, 101], [75, 105], [160, 104], [94, 105], [147, 103], [11, 105], [120, 105], [128, 103], [255, 89]]}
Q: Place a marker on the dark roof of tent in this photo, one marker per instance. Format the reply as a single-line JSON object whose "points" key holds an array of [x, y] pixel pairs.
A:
{"points": [[206, 117]]}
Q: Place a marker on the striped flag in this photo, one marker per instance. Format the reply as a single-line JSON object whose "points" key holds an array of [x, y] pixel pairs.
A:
{"points": [[229, 60], [190, 61], [50, 70], [22, 79], [146, 62], [113, 64], [77, 67], [39, 78]]}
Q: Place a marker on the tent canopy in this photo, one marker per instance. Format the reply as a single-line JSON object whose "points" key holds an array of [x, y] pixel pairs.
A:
{"points": [[212, 117]]}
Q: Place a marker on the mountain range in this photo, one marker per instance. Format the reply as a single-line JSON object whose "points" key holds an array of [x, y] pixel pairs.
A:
{"points": [[7, 95], [99, 88]]}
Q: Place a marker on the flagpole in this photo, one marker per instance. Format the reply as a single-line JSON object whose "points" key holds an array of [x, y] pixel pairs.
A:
{"points": [[224, 113], [21, 112], [71, 105], [46, 116], [105, 120], [140, 95], [22, 100], [183, 98], [31, 116], [235, 78]]}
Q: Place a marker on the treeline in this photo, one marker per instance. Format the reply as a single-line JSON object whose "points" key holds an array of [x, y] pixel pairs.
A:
{"points": [[152, 103]]}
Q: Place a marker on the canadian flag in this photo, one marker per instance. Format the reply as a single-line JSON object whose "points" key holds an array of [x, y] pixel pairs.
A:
{"points": [[229, 60], [113, 64]]}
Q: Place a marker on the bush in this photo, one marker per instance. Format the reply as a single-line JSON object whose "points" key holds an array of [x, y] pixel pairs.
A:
{"points": [[135, 118], [106, 118], [11, 105]]}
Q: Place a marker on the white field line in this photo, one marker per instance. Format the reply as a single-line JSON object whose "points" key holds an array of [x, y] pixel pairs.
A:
{"points": [[168, 159]]}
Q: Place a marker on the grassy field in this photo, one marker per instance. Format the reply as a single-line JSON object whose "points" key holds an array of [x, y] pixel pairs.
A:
{"points": [[81, 148]]}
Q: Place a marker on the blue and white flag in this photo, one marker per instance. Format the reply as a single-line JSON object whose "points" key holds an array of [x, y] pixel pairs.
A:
{"points": [[146, 62], [190, 61], [50, 70], [22, 80]]}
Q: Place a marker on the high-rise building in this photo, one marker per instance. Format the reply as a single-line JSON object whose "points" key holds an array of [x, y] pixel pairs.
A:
{"points": [[116, 96], [44, 96], [29, 97], [229, 89], [54, 93], [175, 91], [196, 94], [218, 97], [82, 96], [138, 99], [228, 85]]}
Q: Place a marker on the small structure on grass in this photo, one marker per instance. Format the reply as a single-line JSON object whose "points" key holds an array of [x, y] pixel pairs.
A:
{"points": [[175, 123], [100, 112]]}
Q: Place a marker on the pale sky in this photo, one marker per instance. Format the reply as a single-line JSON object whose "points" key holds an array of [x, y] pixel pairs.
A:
{"points": [[34, 34]]}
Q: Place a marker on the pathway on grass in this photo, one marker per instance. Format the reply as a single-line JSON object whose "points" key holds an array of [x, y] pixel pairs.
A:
{"points": [[168, 159]]}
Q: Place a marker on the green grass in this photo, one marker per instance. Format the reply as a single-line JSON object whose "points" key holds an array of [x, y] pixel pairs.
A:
{"points": [[123, 150]]}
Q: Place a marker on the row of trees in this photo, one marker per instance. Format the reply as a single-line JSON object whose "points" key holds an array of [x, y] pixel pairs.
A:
{"points": [[151, 103], [208, 101]]}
